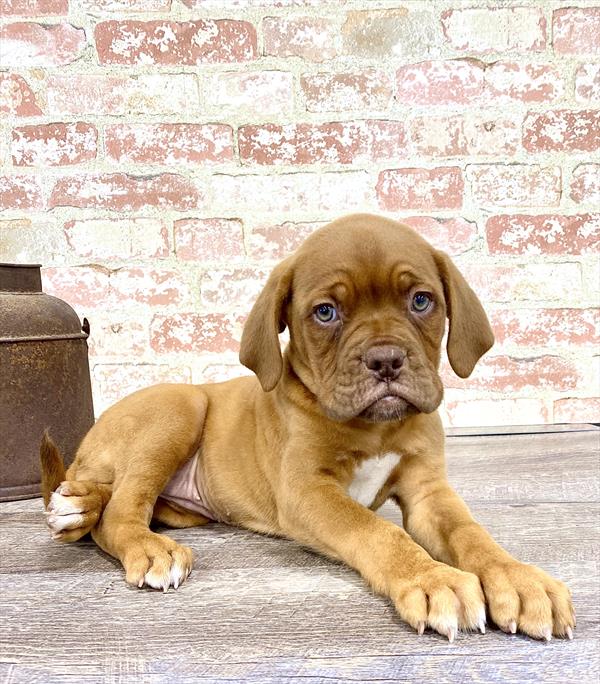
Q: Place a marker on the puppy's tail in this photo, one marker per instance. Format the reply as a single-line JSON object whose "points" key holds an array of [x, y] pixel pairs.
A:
{"points": [[52, 466]]}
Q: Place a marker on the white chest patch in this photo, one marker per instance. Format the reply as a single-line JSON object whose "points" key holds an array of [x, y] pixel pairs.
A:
{"points": [[370, 476]]}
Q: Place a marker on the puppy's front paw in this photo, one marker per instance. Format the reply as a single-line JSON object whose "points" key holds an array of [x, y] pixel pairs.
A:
{"points": [[523, 597], [156, 560], [442, 598]]}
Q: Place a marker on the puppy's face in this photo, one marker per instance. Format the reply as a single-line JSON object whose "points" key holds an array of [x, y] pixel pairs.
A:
{"points": [[366, 320], [366, 301]]}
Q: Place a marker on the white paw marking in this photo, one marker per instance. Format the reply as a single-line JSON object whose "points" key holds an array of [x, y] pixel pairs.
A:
{"points": [[71, 521], [174, 577], [64, 505], [446, 625], [481, 621], [370, 476], [178, 574]]}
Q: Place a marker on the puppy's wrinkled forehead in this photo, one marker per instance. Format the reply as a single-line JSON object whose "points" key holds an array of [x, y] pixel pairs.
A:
{"points": [[363, 253]]}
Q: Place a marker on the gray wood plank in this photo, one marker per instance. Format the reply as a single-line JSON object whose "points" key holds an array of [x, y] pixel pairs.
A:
{"points": [[259, 609], [526, 468], [487, 430]]}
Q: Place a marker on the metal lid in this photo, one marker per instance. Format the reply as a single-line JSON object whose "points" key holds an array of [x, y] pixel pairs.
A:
{"points": [[27, 314], [20, 278]]}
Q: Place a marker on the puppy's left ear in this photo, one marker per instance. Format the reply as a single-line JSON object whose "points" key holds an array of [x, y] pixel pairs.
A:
{"points": [[259, 349], [469, 333]]}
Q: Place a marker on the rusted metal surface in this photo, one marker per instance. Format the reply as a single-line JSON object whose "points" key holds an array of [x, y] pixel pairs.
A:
{"points": [[44, 378]]}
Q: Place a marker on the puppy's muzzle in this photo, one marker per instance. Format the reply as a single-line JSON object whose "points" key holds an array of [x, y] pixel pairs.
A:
{"points": [[385, 361]]}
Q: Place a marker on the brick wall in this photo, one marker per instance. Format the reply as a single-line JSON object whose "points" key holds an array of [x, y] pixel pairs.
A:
{"points": [[159, 156]]}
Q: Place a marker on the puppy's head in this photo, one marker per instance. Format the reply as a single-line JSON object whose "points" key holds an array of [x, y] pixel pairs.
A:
{"points": [[366, 300]]}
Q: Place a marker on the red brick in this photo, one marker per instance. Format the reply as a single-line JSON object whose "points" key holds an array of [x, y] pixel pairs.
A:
{"points": [[272, 241], [162, 42], [516, 185], [453, 235], [543, 234], [124, 6], [220, 372], [547, 327], [439, 188], [155, 287], [577, 410], [24, 44], [333, 192], [116, 334], [112, 382], [122, 192], [529, 282], [461, 135], [493, 412], [108, 238], [396, 33], [330, 143], [83, 287], [20, 192], [495, 29], [311, 38], [326, 92], [562, 130], [35, 239], [576, 30], [587, 83], [508, 374], [98, 287], [248, 4], [232, 288], [512, 81], [585, 184], [33, 8], [250, 92], [194, 332], [440, 82], [303, 143], [55, 144], [16, 97], [385, 139], [171, 144], [101, 94], [209, 239]]}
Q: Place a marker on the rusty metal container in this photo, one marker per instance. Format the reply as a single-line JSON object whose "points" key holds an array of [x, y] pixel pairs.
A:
{"points": [[44, 378]]}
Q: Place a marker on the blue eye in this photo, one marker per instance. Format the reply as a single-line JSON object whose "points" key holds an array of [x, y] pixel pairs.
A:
{"points": [[421, 302], [326, 313]]}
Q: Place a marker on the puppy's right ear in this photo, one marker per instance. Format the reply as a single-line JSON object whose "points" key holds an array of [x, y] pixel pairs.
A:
{"points": [[260, 350]]}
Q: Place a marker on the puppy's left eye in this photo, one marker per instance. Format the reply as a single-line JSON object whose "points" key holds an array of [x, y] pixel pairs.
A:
{"points": [[325, 313], [421, 301]]}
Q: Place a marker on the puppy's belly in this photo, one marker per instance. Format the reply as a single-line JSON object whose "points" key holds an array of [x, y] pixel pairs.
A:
{"points": [[370, 476], [186, 489]]}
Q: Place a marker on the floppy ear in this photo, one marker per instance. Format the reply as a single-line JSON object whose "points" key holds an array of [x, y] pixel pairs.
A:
{"points": [[469, 334], [259, 349]]}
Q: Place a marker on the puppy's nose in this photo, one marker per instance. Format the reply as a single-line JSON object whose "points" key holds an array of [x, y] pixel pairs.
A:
{"points": [[385, 360]]}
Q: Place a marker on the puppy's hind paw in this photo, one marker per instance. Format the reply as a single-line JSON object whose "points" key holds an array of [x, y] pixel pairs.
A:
{"points": [[72, 511]]}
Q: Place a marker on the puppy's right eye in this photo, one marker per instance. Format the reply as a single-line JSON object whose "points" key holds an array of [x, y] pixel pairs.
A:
{"points": [[325, 313]]}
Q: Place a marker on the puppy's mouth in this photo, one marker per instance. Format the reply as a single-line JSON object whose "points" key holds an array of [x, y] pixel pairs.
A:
{"points": [[389, 406]]}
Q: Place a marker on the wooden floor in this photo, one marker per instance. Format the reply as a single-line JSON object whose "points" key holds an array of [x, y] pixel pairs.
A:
{"points": [[265, 610]]}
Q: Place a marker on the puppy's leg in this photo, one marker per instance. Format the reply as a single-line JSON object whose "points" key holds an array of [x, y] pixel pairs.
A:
{"points": [[72, 507], [147, 437], [519, 596], [316, 511], [165, 513], [75, 508]]}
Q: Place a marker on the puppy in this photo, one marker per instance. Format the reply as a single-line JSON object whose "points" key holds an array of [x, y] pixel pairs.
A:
{"points": [[342, 421]]}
